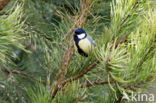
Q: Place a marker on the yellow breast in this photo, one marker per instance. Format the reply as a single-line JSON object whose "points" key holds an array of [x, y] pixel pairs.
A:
{"points": [[85, 45]]}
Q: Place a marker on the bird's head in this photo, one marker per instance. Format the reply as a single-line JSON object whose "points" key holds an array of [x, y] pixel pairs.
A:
{"points": [[80, 33]]}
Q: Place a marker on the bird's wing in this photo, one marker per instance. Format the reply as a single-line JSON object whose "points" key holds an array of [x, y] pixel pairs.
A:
{"points": [[91, 40]]}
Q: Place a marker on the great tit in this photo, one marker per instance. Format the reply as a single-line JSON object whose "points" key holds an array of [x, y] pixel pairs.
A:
{"points": [[84, 43]]}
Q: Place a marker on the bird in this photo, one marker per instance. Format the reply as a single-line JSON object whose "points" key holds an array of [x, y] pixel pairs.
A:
{"points": [[83, 42]]}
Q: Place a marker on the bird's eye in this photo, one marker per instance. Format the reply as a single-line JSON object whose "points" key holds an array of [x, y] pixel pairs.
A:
{"points": [[77, 32]]}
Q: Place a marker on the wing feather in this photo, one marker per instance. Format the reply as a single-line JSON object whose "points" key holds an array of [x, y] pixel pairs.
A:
{"points": [[91, 40]]}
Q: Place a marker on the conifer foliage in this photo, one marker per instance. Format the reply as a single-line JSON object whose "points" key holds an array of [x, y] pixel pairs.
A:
{"points": [[38, 61]]}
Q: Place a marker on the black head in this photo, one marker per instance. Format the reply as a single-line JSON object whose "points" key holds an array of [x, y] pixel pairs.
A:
{"points": [[79, 31]]}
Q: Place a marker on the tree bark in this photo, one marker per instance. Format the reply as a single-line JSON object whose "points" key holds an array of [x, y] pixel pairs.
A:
{"points": [[3, 3]]}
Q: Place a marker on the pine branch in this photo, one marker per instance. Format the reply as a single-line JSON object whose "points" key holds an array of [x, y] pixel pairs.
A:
{"points": [[10, 72], [65, 62], [92, 83], [80, 20], [122, 40], [81, 74], [145, 56], [130, 87], [3, 3], [39, 32], [82, 16], [137, 85], [3, 13]]}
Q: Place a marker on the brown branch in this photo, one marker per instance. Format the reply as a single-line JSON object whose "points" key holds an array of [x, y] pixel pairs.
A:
{"points": [[122, 40], [10, 72], [38, 31], [75, 77], [6, 71], [4, 13], [137, 85], [26, 75], [130, 87], [92, 83], [3, 3], [81, 74], [65, 62], [62, 72]]}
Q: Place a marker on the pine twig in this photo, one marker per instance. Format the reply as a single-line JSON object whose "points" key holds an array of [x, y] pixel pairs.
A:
{"points": [[137, 85], [122, 40], [81, 74], [10, 72], [39, 32], [130, 87], [65, 62], [92, 83]]}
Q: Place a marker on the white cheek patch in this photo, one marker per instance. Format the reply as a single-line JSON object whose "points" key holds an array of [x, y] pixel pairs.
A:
{"points": [[81, 36]]}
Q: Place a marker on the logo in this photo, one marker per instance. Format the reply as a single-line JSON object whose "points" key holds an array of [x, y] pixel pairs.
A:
{"points": [[139, 97]]}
